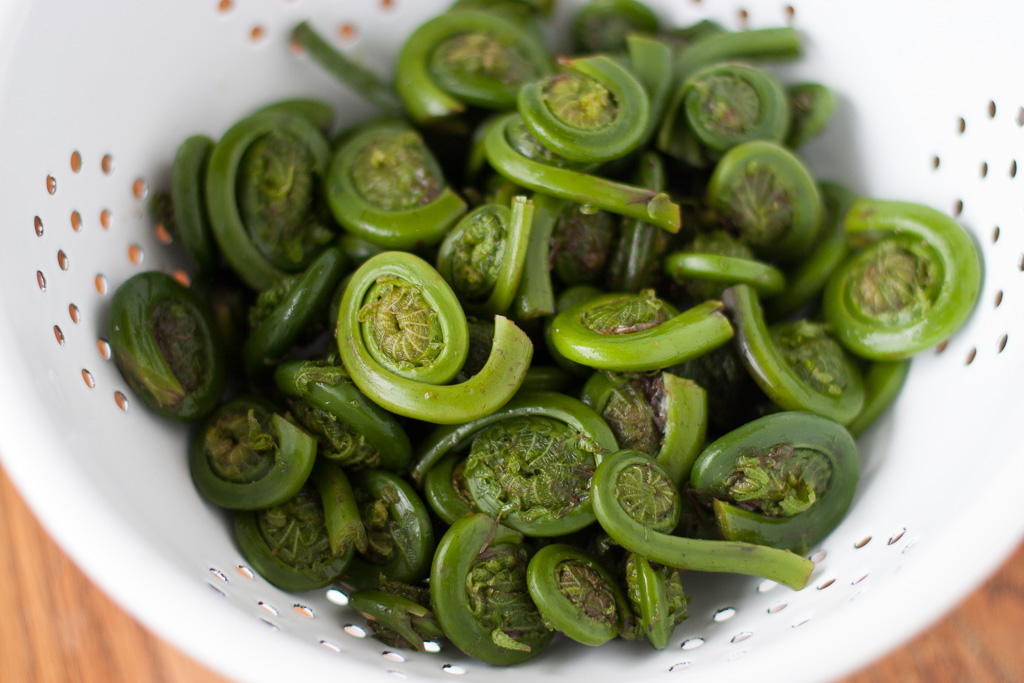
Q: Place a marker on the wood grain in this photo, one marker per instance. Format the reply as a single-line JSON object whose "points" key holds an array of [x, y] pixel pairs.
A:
{"points": [[56, 627]]}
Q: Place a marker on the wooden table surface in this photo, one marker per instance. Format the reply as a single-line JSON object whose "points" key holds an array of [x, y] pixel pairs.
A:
{"points": [[55, 626]]}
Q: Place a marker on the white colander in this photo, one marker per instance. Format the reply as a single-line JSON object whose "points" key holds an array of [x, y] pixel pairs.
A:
{"points": [[96, 96]]}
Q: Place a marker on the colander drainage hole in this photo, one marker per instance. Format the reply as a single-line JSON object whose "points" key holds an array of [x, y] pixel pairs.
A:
{"points": [[76, 221], [41, 280], [958, 207], [336, 597], [51, 184], [217, 590], [1013, 168], [392, 656], [741, 636], [1002, 343], [999, 298], [107, 164], [136, 255], [268, 608], [936, 162], [862, 542], [105, 219], [330, 646], [991, 109], [766, 586], [219, 575], [140, 188], [691, 643], [74, 314], [244, 571], [347, 32], [62, 260], [88, 379], [39, 226], [58, 335], [724, 614], [896, 536], [355, 631], [270, 624], [825, 584], [103, 346], [431, 647], [76, 162], [679, 666], [257, 33], [303, 611], [1020, 117], [866, 575], [995, 235], [453, 669], [777, 607], [961, 125], [819, 557], [121, 400], [970, 356], [397, 674], [101, 285]]}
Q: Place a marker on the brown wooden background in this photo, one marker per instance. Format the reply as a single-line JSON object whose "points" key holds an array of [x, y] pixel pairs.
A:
{"points": [[55, 626]]}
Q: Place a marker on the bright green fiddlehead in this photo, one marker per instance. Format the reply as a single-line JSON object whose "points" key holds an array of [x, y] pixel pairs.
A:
{"points": [[812, 105], [656, 208], [724, 105], [715, 261], [769, 196], [784, 480], [799, 365], [594, 111], [663, 415], [637, 504], [910, 289], [636, 260], [657, 597], [482, 257], [469, 56], [385, 186], [377, 333], [637, 332]]}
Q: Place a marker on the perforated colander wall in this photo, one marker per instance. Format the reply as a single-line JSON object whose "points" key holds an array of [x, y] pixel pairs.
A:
{"points": [[95, 100]]}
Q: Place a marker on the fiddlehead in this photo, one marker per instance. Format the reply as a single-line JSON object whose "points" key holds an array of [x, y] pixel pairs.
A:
{"points": [[397, 620], [532, 473], [722, 106], [164, 344], [350, 429], [183, 211], [385, 186], [604, 25], [400, 355], [798, 365], [576, 595], [581, 244], [784, 480], [637, 505], [811, 106], [636, 260], [592, 112], [262, 195], [769, 197], [246, 456], [466, 57], [657, 597], [663, 415], [637, 332], [656, 208], [288, 544], [907, 291], [479, 593], [714, 261], [482, 257], [304, 299]]}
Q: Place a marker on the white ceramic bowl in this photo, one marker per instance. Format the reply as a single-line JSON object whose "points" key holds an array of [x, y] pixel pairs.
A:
{"points": [[929, 96]]}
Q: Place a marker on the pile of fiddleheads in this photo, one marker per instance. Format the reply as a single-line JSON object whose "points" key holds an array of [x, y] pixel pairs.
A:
{"points": [[546, 337]]}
